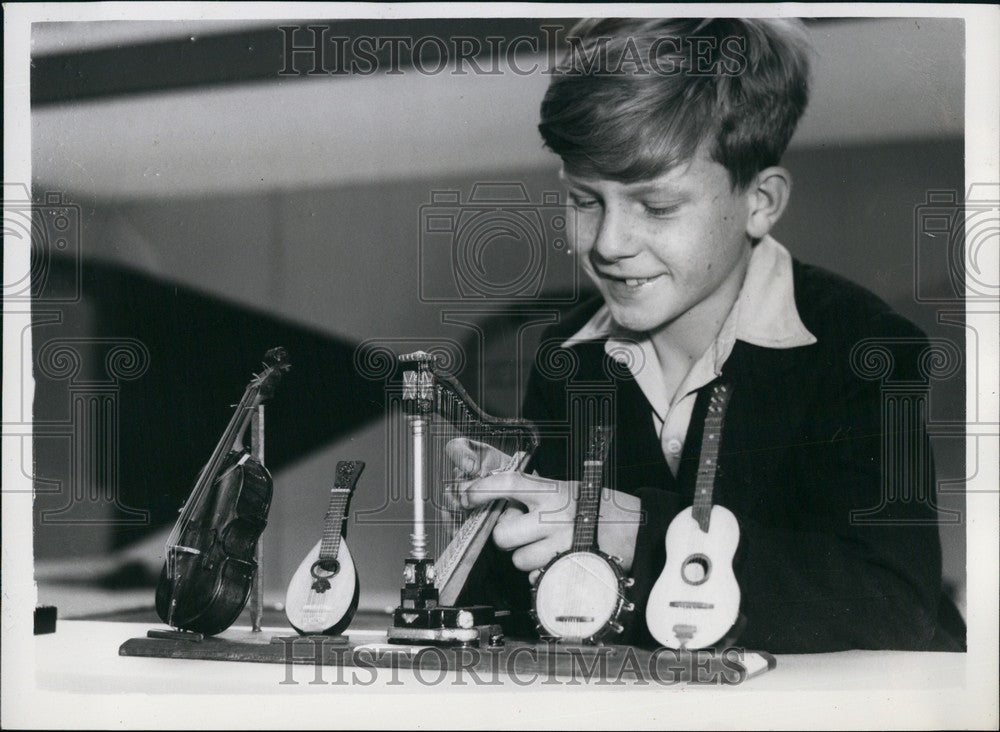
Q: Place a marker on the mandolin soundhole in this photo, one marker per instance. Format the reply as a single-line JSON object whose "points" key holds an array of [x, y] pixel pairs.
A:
{"points": [[325, 568]]}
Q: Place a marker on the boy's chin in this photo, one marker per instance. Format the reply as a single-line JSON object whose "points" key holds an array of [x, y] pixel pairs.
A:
{"points": [[638, 320]]}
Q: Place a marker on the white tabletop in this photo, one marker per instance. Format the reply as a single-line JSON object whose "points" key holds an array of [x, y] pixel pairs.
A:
{"points": [[80, 662]]}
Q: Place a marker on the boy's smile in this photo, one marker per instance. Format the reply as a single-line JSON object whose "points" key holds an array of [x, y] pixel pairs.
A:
{"points": [[667, 254]]}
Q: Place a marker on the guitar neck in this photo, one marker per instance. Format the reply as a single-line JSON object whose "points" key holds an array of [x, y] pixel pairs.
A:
{"points": [[588, 504], [701, 508], [348, 473]]}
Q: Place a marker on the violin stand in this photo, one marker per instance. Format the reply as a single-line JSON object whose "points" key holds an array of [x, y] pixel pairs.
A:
{"points": [[257, 588]]}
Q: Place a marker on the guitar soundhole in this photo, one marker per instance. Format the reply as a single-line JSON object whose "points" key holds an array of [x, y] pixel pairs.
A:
{"points": [[696, 569]]}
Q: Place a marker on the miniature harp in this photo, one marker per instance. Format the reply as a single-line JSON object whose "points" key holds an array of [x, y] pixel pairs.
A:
{"points": [[446, 412]]}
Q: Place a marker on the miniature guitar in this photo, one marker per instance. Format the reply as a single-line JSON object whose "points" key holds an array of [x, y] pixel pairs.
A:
{"points": [[323, 593], [580, 595], [696, 600]]}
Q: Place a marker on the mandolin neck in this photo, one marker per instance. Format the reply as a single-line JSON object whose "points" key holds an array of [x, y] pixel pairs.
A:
{"points": [[348, 473]]}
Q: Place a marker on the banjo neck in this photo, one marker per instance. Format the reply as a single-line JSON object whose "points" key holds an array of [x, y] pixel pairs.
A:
{"points": [[588, 504]]}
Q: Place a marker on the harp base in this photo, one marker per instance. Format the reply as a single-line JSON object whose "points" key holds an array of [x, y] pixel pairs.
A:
{"points": [[420, 620], [470, 626]]}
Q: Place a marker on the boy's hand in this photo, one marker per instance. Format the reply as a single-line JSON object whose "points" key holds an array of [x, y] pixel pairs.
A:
{"points": [[470, 460], [539, 523], [473, 459]]}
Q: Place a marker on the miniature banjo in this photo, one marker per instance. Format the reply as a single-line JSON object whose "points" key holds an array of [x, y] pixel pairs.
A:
{"points": [[696, 599], [580, 595]]}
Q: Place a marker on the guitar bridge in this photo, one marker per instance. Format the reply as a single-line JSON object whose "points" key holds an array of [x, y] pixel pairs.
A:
{"points": [[684, 632]]}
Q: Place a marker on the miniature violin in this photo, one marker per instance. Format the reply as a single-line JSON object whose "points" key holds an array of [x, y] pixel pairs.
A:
{"points": [[210, 565]]}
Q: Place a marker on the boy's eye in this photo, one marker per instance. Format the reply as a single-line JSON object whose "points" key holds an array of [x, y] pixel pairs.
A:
{"points": [[660, 209], [581, 201]]}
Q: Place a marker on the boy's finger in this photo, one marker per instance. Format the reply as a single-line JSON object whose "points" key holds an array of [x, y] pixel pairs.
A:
{"points": [[540, 553], [483, 490], [463, 457], [527, 489], [518, 530]]}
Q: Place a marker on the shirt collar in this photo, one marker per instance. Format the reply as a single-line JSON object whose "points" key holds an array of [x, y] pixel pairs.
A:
{"points": [[764, 313]]}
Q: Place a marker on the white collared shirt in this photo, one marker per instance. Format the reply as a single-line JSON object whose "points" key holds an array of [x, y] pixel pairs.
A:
{"points": [[764, 314]]}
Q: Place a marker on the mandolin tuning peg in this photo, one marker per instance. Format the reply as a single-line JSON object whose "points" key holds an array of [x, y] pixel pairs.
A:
{"points": [[616, 627], [629, 581], [628, 607]]}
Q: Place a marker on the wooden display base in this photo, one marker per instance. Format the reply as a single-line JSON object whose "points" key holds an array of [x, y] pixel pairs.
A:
{"points": [[545, 663], [337, 640], [478, 636], [188, 636]]}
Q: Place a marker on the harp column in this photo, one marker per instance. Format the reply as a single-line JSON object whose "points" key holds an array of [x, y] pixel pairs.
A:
{"points": [[419, 386], [418, 539], [419, 592]]}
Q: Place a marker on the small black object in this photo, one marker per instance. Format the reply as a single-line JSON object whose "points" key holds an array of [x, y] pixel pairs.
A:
{"points": [[45, 619]]}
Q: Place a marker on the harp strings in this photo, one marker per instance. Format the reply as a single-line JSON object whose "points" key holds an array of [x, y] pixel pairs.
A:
{"points": [[454, 419]]}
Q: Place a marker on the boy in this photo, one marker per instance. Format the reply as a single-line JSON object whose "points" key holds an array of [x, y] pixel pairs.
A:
{"points": [[671, 133]]}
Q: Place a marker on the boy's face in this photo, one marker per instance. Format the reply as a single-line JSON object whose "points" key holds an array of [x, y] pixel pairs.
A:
{"points": [[663, 249]]}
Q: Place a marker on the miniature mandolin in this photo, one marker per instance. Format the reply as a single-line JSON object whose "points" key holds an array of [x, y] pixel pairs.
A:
{"points": [[323, 594], [580, 595], [696, 599]]}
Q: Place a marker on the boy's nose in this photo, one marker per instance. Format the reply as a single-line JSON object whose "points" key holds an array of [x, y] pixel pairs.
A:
{"points": [[614, 240]]}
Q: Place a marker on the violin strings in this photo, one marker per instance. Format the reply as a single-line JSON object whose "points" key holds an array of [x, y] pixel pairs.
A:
{"points": [[237, 426]]}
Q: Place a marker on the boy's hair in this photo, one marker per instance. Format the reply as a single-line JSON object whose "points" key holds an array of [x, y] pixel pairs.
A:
{"points": [[634, 97]]}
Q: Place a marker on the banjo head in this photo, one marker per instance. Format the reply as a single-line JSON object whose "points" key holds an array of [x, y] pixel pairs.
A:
{"points": [[577, 596]]}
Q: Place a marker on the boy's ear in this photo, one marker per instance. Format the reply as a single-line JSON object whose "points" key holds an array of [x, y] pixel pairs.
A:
{"points": [[767, 196]]}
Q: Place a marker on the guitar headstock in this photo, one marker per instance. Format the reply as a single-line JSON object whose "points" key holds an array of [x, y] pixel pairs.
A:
{"points": [[598, 444], [276, 363], [719, 398]]}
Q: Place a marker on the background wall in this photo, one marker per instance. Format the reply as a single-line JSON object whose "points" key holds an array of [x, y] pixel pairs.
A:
{"points": [[216, 219]]}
